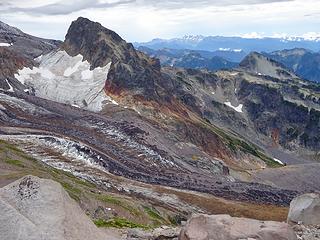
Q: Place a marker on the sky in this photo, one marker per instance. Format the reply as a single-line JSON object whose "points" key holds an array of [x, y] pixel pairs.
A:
{"points": [[142, 20]]}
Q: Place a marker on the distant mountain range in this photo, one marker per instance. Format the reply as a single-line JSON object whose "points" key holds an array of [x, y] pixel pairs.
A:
{"points": [[305, 63], [195, 59], [214, 43]]}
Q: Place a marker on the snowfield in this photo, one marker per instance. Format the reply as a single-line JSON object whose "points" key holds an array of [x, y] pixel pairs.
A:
{"points": [[237, 108], [67, 79]]}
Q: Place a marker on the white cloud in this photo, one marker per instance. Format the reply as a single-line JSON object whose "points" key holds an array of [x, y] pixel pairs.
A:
{"points": [[141, 20]]}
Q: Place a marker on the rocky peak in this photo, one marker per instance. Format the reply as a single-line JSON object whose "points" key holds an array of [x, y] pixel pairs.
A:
{"points": [[130, 70], [262, 65], [96, 43]]}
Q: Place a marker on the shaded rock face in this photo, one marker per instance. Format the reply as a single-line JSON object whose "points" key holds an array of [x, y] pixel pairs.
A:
{"points": [[40, 209], [130, 70], [272, 112], [305, 209], [224, 227]]}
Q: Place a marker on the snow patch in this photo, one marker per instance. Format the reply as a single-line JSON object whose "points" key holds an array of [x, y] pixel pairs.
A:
{"points": [[234, 74], [38, 59], [86, 74], [111, 100], [25, 74], [230, 50], [73, 69], [225, 49], [278, 161], [237, 108], [212, 93], [5, 44], [10, 87]]}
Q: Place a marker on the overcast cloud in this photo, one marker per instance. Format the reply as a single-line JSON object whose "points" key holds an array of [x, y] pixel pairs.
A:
{"points": [[142, 20]]}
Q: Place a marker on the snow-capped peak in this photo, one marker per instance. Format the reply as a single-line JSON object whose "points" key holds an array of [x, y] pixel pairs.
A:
{"points": [[229, 50], [193, 38]]}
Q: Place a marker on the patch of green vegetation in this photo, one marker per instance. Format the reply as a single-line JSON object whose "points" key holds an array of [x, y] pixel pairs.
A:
{"points": [[13, 148], [73, 191], [236, 144], [119, 202], [245, 147], [84, 183], [154, 214], [27, 157], [119, 223], [14, 162], [110, 199]]}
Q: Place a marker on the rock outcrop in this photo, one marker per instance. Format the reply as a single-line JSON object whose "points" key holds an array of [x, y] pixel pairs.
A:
{"points": [[40, 209], [305, 209], [224, 227]]}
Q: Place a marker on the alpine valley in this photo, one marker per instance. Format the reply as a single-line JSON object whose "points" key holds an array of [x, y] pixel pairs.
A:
{"points": [[144, 137]]}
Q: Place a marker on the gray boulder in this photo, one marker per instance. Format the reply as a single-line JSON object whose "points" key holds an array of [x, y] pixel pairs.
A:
{"points": [[224, 227], [39, 209], [305, 209]]}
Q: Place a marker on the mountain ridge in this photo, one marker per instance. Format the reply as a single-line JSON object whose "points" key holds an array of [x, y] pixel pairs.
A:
{"points": [[213, 43]]}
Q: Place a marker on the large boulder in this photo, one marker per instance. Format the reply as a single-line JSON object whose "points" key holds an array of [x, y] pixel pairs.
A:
{"points": [[224, 227], [40, 209], [305, 209]]}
